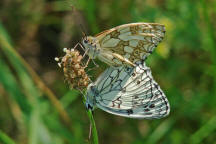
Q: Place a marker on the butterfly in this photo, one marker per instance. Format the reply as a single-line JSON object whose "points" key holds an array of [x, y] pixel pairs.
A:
{"points": [[125, 44], [129, 92]]}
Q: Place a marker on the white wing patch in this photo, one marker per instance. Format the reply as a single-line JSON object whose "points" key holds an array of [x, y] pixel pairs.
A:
{"points": [[129, 92], [111, 42]]}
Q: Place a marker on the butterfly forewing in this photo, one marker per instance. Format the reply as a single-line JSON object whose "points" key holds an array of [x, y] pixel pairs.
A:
{"points": [[132, 41], [130, 92]]}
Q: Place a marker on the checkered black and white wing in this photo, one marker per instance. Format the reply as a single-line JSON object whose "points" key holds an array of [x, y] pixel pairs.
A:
{"points": [[129, 92]]}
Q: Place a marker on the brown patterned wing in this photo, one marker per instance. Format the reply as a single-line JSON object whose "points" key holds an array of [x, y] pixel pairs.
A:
{"points": [[135, 41]]}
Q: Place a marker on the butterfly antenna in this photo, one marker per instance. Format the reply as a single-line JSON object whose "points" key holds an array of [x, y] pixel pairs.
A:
{"points": [[83, 32]]}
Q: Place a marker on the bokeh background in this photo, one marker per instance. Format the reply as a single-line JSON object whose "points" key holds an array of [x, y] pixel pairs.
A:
{"points": [[37, 107]]}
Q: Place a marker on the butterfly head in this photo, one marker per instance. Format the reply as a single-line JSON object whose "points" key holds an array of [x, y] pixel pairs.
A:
{"points": [[91, 46]]}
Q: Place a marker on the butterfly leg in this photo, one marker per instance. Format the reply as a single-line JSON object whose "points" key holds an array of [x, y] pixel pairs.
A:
{"points": [[95, 63], [87, 63], [79, 44], [85, 52]]}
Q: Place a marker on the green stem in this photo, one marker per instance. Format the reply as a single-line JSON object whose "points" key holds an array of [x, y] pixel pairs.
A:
{"points": [[94, 129]]}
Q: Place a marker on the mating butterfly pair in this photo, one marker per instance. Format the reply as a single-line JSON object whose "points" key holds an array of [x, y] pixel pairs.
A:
{"points": [[127, 88]]}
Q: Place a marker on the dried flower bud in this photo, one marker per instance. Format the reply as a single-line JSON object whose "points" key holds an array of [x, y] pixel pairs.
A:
{"points": [[56, 59], [73, 69]]}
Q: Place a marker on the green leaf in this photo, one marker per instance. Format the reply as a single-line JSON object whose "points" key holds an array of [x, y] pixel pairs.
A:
{"points": [[5, 139]]}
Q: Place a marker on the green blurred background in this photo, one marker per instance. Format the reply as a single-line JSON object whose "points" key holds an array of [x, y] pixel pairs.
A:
{"points": [[37, 107]]}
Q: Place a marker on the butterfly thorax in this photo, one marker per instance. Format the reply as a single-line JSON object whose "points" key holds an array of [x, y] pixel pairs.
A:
{"points": [[92, 46]]}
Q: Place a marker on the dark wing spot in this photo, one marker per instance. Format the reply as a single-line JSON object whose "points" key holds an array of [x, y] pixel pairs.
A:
{"points": [[146, 110], [150, 52], [123, 90], [156, 86], [152, 106], [136, 52], [127, 69], [136, 97], [135, 103], [149, 113], [130, 111]]}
